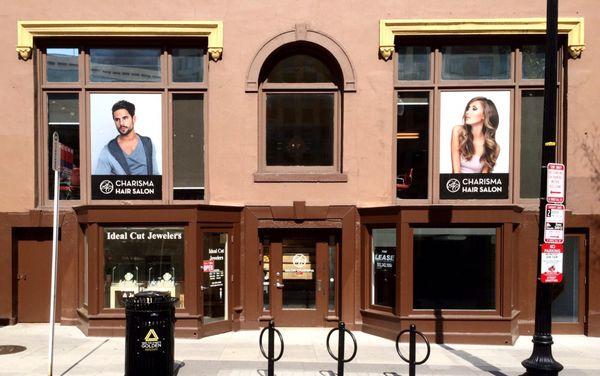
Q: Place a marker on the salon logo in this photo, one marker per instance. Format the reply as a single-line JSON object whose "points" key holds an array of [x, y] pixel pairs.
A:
{"points": [[299, 260], [106, 187], [453, 185]]}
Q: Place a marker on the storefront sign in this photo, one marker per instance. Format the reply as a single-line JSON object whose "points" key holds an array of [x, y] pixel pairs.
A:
{"points": [[554, 224], [208, 266], [473, 186], [143, 234], [115, 187], [555, 183], [385, 258], [468, 118], [552, 263]]}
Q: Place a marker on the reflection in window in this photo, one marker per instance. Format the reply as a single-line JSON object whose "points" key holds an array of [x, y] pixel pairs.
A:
{"points": [[142, 258], [300, 129], [266, 263], [413, 63], [188, 65], [332, 256], [532, 117], [454, 268], [300, 68], [188, 146], [62, 65], [534, 60], [214, 277], [63, 118], [475, 62], [412, 141], [383, 267], [565, 302], [125, 65]]}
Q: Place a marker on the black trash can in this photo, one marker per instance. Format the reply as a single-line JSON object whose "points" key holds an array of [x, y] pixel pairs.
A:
{"points": [[149, 334]]}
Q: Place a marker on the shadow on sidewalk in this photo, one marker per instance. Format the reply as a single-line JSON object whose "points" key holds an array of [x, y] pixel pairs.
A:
{"points": [[477, 362]]}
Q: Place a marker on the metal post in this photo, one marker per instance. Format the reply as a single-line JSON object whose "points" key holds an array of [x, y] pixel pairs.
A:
{"points": [[541, 361], [56, 167], [271, 350], [342, 334], [412, 350]]}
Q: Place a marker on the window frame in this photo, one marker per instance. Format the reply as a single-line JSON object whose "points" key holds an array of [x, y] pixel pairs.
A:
{"points": [[333, 173], [83, 87], [516, 84]]}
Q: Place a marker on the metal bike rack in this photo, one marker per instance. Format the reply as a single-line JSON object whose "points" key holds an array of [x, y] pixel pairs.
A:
{"points": [[412, 348], [271, 359], [340, 357]]}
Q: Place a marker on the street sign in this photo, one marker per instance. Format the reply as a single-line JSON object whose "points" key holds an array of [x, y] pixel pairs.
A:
{"points": [[555, 183], [554, 224], [56, 150], [552, 263]]}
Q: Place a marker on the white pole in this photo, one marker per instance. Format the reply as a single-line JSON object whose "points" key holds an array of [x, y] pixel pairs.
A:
{"points": [[56, 167]]}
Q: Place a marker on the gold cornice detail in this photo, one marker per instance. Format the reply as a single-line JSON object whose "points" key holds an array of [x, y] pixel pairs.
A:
{"points": [[389, 29], [28, 30]]}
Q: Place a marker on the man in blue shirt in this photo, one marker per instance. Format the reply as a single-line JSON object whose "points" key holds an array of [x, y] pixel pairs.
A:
{"points": [[129, 153]]}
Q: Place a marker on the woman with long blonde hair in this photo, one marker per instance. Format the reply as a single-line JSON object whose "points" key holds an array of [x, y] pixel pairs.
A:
{"points": [[473, 145]]}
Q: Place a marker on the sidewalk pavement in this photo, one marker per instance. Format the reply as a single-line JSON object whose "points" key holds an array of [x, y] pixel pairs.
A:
{"points": [[237, 353]]}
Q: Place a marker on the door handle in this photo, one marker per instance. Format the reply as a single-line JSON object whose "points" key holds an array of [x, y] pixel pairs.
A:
{"points": [[279, 285]]}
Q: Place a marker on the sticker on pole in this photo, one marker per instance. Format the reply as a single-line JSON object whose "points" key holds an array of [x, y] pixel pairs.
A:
{"points": [[554, 224], [555, 183], [552, 263]]}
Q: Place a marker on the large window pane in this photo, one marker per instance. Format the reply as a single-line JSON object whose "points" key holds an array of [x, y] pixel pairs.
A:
{"points": [[454, 268], [63, 118], [125, 65], [534, 57], [475, 62], [300, 129], [214, 277], [532, 116], [300, 68], [413, 63], [188, 65], [62, 65], [565, 303], [142, 258], [412, 141], [383, 267], [188, 146]]}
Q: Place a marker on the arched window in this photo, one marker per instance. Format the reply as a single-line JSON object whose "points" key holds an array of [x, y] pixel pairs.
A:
{"points": [[300, 135]]}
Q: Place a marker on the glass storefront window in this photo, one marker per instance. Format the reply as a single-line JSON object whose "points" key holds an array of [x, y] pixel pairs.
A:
{"points": [[534, 61], [142, 258], [299, 274], [383, 267], [413, 63], [62, 64], [412, 143], [454, 268], [214, 277], [332, 257], [532, 117], [300, 68], [188, 64], [565, 301], [125, 65], [63, 118], [466, 62], [300, 129], [266, 264]]}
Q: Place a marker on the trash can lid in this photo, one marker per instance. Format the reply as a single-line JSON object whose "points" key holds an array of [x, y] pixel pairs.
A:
{"points": [[152, 294]]}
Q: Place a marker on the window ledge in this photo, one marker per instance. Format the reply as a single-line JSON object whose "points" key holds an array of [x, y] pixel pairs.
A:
{"points": [[307, 177]]}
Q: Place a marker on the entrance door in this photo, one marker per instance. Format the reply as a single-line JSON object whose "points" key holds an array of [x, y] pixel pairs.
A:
{"points": [[299, 279], [568, 304], [34, 248]]}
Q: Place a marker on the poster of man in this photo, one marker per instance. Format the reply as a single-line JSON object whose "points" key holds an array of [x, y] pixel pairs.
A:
{"points": [[474, 151], [126, 145]]}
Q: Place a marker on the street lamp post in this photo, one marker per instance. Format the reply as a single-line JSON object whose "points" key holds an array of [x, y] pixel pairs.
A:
{"points": [[541, 362]]}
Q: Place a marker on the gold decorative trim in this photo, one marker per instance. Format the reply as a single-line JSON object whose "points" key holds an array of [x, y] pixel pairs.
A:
{"points": [[389, 29], [28, 30]]}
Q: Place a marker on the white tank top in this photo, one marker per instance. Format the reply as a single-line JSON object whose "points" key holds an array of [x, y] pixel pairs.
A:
{"points": [[472, 166]]}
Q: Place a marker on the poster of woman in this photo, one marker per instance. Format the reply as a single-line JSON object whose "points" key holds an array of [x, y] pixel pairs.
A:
{"points": [[474, 144]]}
